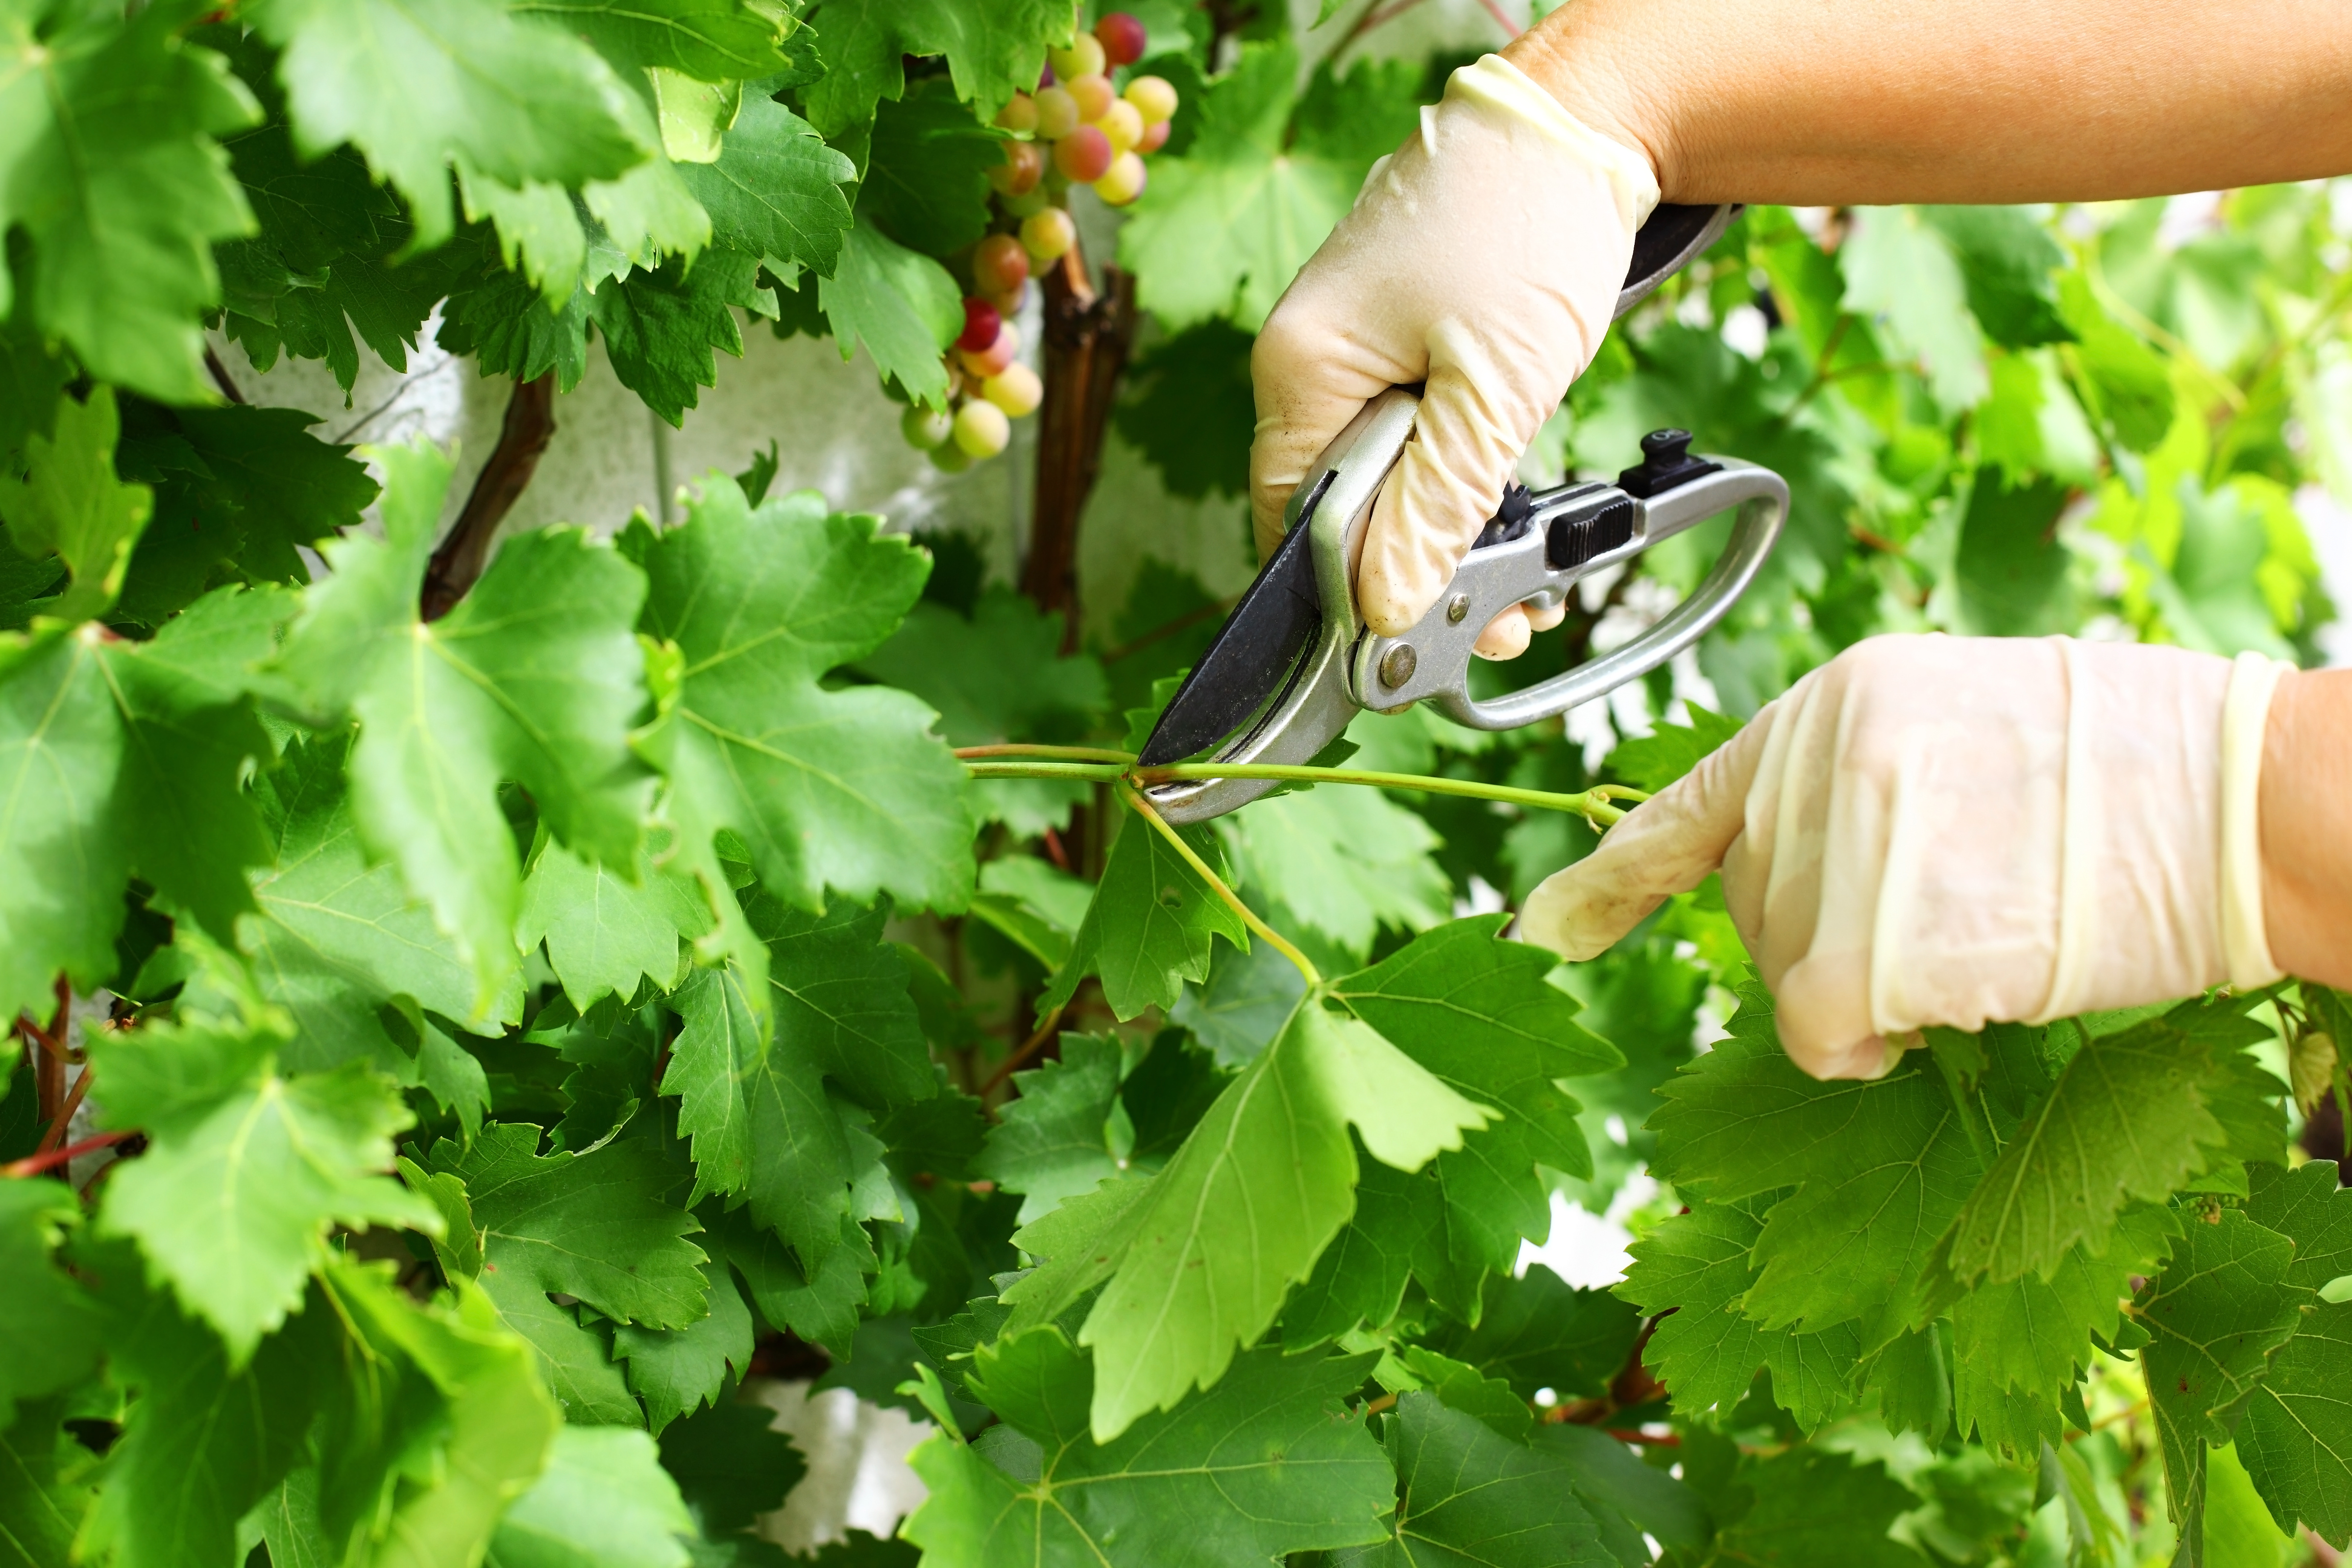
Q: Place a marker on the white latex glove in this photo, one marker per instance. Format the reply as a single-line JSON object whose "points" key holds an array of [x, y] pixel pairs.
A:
{"points": [[1960, 830], [1484, 257]]}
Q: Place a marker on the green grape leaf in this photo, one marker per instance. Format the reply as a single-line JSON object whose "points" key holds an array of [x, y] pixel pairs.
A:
{"points": [[902, 305], [819, 1303], [113, 172], [207, 1438], [244, 486], [1536, 1331], [1879, 1167], [1465, 1495], [1489, 1400], [604, 1501], [2222, 1305], [710, 40], [1149, 927], [846, 790], [39, 1304], [573, 1359], [1236, 1012], [1627, 1497], [338, 940], [1361, 1276], [1185, 403], [535, 676], [992, 52], [719, 1054], [1256, 1193], [660, 326], [926, 183], [1708, 1352], [415, 84], [1344, 862], [1902, 275], [998, 674], [1812, 1506], [42, 1506], [603, 932], [71, 504], [1265, 1463], [1654, 760], [1053, 1142], [731, 1466], [246, 1170], [594, 1226], [775, 192], [2008, 260], [2131, 385], [2296, 1436], [678, 1371], [2127, 1119], [1222, 230]]}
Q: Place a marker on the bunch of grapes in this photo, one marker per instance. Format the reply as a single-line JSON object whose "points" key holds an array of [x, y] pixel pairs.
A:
{"points": [[1080, 127]]}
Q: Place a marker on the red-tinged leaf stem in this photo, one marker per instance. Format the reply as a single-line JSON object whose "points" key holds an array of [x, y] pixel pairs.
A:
{"points": [[1274, 939], [35, 1164]]}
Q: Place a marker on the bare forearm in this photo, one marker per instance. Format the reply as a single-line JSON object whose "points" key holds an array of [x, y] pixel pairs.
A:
{"points": [[2306, 812], [1830, 103]]}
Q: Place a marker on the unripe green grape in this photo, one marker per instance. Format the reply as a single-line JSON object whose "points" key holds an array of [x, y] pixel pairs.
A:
{"points": [[999, 266], [1122, 123], [1058, 113], [1015, 389], [1028, 203], [1123, 181], [925, 429], [1084, 57], [1048, 235], [949, 459], [982, 430], [1154, 98], [1083, 154], [1093, 95], [1020, 115]]}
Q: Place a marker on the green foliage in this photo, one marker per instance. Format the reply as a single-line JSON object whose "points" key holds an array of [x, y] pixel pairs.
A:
{"points": [[642, 897]]}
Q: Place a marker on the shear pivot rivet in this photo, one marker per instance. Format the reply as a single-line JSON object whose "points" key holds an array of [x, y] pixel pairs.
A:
{"points": [[1396, 665], [1456, 608]]}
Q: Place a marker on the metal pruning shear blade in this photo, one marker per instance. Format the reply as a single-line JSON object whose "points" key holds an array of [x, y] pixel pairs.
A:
{"points": [[1295, 662]]}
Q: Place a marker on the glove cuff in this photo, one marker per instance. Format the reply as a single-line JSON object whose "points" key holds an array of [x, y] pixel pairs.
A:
{"points": [[1495, 85], [2245, 717]]}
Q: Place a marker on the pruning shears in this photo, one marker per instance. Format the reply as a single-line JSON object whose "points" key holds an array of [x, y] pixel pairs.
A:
{"points": [[1295, 662]]}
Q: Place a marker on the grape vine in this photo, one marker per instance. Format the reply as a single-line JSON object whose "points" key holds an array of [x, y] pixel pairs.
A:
{"points": [[486, 1008]]}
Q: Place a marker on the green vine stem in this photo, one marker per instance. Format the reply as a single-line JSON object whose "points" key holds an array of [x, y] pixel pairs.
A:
{"points": [[1105, 766], [1274, 939]]}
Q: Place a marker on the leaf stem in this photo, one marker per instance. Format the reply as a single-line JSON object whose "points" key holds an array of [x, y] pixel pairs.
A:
{"points": [[1061, 754], [1593, 804], [34, 1165], [1028, 1049], [1274, 939]]}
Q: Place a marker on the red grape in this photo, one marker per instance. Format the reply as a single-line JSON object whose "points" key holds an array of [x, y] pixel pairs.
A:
{"points": [[999, 265], [1023, 167], [1122, 38], [982, 363], [1155, 136], [981, 324], [1083, 154]]}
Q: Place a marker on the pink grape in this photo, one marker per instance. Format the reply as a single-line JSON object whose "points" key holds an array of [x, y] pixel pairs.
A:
{"points": [[1015, 389], [1048, 235], [1122, 37], [999, 265], [1155, 136], [1123, 181], [1023, 167], [981, 324], [1093, 95], [1154, 98], [1057, 113], [1020, 115], [982, 363], [1083, 154], [1084, 57], [982, 430], [1123, 124]]}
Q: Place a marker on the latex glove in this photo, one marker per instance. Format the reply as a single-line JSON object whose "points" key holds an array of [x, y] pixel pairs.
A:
{"points": [[1959, 830], [1484, 257]]}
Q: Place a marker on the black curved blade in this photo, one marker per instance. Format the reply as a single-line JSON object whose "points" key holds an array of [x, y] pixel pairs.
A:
{"points": [[1273, 625]]}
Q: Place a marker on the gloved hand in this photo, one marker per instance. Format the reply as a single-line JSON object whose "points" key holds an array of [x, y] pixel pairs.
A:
{"points": [[1958, 830], [1485, 257]]}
